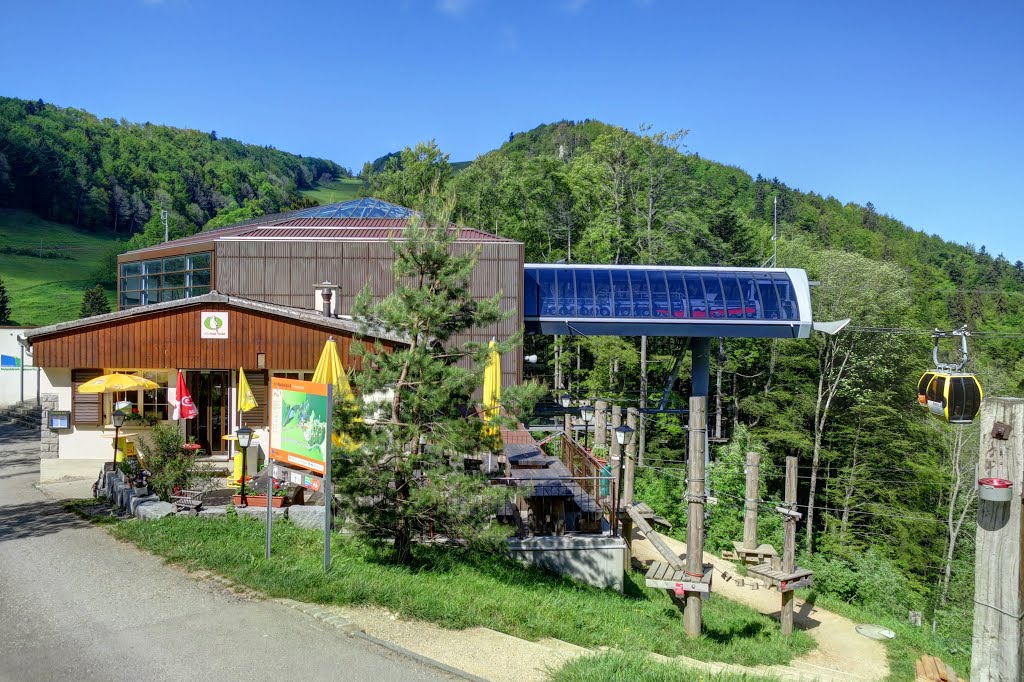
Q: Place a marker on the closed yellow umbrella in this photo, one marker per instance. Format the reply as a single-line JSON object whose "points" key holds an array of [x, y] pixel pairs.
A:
{"points": [[492, 389], [329, 370], [114, 383]]}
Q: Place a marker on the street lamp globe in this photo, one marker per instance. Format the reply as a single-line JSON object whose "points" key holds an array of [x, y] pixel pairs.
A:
{"points": [[623, 434], [118, 418], [566, 400], [587, 413], [244, 435]]}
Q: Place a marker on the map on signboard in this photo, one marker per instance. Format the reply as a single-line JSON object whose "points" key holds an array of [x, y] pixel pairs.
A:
{"points": [[298, 423]]}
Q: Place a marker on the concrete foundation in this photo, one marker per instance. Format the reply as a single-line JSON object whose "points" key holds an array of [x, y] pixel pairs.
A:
{"points": [[593, 559]]}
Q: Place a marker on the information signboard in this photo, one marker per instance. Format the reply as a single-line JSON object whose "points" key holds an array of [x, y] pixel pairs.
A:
{"points": [[299, 423]]}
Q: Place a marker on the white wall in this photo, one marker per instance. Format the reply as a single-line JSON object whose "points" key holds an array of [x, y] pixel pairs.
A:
{"points": [[11, 379]]}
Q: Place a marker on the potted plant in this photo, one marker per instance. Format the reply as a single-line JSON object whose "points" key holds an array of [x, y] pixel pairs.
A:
{"points": [[142, 483], [259, 497]]}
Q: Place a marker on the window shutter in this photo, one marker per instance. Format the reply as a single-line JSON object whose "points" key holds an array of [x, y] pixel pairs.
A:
{"points": [[86, 408], [257, 416]]}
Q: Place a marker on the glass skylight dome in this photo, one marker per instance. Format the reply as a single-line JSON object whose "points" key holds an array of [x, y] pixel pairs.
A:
{"points": [[358, 208]]}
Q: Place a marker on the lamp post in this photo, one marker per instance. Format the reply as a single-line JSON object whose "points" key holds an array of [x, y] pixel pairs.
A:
{"points": [[565, 400], [623, 434], [118, 419], [244, 436], [587, 413]]}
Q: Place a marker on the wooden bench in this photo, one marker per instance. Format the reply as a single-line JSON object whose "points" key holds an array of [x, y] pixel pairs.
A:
{"points": [[187, 501]]}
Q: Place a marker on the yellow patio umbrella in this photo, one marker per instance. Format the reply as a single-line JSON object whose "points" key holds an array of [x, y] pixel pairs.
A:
{"points": [[114, 383], [492, 389], [329, 370]]}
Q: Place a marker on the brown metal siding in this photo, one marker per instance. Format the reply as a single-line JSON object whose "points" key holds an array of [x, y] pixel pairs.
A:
{"points": [[171, 339], [286, 272]]}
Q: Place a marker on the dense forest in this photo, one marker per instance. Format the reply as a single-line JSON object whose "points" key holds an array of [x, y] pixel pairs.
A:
{"points": [[887, 493], [103, 175]]}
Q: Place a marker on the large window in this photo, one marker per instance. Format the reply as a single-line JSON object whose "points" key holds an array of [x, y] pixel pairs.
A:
{"points": [[151, 403], [165, 279]]}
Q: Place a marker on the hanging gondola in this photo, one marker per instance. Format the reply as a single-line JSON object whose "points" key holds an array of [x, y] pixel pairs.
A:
{"points": [[949, 392]]}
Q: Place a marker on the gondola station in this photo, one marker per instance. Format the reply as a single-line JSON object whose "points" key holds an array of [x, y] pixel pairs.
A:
{"points": [[263, 297]]}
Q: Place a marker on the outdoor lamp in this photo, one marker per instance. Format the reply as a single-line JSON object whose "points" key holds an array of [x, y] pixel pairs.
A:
{"points": [[531, 359], [244, 437], [565, 400], [118, 418], [623, 434], [587, 412]]}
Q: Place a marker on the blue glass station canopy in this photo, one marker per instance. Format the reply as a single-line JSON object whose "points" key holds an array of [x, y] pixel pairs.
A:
{"points": [[637, 300], [357, 208]]}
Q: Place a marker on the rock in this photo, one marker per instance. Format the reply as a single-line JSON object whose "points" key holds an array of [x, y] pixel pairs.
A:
{"points": [[135, 501], [149, 511], [305, 516], [218, 511]]}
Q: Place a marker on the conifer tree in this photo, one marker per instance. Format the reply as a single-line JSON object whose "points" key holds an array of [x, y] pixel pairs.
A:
{"points": [[407, 475], [94, 302], [5, 304]]}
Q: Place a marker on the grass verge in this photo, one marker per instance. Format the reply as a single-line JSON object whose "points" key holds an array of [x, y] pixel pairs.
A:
{"points": [[634, 667], [459, 589], [911, 642]]}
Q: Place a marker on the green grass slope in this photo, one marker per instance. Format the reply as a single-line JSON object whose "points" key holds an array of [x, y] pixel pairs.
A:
{"points": [[47, 266], [332, 192]]}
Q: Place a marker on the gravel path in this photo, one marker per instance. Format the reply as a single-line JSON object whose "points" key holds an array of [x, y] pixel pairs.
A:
{"points": [[77, 604]]}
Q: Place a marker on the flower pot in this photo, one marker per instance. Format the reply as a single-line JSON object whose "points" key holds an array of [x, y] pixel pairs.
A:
{"points": [[995, 489], [258, 500]]}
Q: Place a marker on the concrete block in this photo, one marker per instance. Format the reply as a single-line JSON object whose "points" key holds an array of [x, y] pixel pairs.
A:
{"points": [[261, 512], [149, 511], [593, 559], [214, 512], [305, 516]]}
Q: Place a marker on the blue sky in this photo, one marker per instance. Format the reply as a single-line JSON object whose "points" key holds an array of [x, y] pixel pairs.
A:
{"points": [[914, 106]]}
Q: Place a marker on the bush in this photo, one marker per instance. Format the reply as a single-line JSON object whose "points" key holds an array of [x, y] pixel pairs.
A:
{"points": [[173, 468]]}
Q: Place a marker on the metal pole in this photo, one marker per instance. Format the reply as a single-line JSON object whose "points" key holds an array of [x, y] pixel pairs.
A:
{"points": [[22, 373], [642, 434], [328, 495], [270, 498], [632, 415], [695, 512], [789, 544], [117, 432]]}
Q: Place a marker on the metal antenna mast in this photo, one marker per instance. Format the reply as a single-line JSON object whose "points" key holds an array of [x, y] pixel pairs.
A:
{"points": [[163, 217], [775, 231]]}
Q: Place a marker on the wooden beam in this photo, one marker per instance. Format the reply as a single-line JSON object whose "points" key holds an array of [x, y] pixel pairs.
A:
{"points": [[632, 415], [600, 423], [695, 511], [997, 653], [750, 503], [789, 544]]}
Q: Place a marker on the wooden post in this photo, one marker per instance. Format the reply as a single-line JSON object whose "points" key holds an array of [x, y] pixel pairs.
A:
{"points": [[632, 414], [750, 501], [789, 544], [600, 423], [642, 428], [567, 424], [997, 654], [615, 460], [695, 511]]}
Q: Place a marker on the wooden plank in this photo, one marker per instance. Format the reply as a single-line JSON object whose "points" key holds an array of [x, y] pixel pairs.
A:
{"points": [[654, 538], [652, 570]]}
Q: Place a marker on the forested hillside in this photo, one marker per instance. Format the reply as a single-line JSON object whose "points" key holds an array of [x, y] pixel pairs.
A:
{"points": [[103, 175], [887, 493]]}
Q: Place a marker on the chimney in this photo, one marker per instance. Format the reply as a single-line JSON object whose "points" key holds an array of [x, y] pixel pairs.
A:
{"points": [[326, 299]]}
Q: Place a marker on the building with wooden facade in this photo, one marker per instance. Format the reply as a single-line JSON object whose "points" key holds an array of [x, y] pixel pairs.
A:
{"points": [[265, 282]]}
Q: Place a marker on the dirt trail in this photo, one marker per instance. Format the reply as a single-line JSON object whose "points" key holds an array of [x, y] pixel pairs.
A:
{"points": [[841, 654]]}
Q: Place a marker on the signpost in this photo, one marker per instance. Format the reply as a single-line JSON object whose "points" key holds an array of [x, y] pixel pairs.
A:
{"points": [[300, 428]]}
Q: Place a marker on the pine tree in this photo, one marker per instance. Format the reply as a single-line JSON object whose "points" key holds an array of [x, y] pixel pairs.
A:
{"points": [[94, 302], [407, 475], [5, 304]]}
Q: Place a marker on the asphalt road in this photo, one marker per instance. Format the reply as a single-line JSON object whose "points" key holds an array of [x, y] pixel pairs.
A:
{"points": [[75, 604]]}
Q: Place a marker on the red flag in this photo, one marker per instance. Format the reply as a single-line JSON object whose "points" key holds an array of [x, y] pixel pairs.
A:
{"points": [[186, 408]]}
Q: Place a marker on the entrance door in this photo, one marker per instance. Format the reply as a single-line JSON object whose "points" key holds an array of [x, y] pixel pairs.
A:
{"points": [[210, 391]]}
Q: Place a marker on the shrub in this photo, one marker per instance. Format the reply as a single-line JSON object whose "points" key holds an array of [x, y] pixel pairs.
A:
{"points": [[172, 467]]}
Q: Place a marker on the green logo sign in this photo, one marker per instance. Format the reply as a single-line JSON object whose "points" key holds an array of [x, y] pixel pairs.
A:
{"points": [[213, 323]]}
